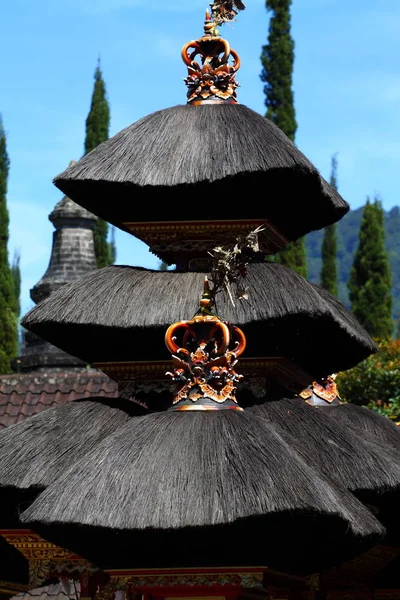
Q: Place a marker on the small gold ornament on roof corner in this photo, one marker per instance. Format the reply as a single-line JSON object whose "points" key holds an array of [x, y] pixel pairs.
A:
{"points": [[323, 392], [214, 80]]}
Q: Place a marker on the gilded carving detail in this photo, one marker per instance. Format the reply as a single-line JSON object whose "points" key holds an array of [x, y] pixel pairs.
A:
{"points": [[135, 583], [32, 546], [152, 376], [44, 557], [325, 389]]}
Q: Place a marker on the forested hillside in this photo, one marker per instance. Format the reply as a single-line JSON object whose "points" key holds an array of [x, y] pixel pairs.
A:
{"points": [[347, 239]]}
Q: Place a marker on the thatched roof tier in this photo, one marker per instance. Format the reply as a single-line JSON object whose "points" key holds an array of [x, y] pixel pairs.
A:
{"points": [[205, 476], [366, 422], [354, 458], [121, 313], [210, 160], [37, 450]]}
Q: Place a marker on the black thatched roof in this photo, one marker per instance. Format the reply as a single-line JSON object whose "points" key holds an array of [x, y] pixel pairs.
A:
{"points": [[349, 455], [207, 155], [272, 477], [121, 313], [366, 422], [201, 475], [35, 451]]}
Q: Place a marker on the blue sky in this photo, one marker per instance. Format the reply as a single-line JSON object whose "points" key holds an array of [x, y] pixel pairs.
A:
{"points": [[346, 87]]}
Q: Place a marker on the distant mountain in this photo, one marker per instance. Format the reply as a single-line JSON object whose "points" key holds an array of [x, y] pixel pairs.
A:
{"points": [[347, 238]]}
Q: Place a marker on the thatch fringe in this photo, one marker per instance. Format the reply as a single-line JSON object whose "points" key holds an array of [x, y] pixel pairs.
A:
{"points": [[36, 451], [121, 313], [123, 486], [352, 458], [363, 421], [176, 469], [200, 153]]}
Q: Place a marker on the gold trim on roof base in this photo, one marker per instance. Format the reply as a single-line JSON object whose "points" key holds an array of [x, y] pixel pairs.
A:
{"points": [[32, 546], [194, 237], [134, 580], [44, 557], [10, 588], [279, 368]]}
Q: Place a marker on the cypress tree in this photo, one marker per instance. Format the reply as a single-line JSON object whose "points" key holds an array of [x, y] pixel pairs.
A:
{"points": [[277, 59], [370, 279], [329, 277], [112, 247], [97, 128], [8, 320], [16, 275]]}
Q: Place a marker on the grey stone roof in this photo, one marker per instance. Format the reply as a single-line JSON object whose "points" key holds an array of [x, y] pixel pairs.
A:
{"points": [[66, 209]]}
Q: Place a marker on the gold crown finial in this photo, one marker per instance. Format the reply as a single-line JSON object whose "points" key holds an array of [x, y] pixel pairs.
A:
{"points": [[204, 352], [214, 79]]}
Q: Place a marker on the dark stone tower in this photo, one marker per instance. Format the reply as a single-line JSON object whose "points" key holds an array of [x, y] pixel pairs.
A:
{"points": [[72, 256]]}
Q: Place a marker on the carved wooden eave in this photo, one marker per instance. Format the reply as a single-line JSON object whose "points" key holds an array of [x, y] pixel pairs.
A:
{"points": [[45, 559], [194, 239], [9, 589], [195, 582], [278, 368]]}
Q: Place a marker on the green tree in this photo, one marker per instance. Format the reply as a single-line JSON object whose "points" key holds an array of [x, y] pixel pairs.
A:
{"points": [[97, 130], [8, 319], [329, 272], [375, 382], [370, 279], [16, 274], [277, 58], [294, 257], [112, 247]]}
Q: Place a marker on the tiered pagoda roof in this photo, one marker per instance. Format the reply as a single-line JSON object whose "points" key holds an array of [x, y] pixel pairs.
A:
{"points": [[176, 480]]}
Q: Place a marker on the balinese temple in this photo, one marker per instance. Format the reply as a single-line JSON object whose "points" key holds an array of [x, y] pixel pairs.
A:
{"points": [[44, 374], [228, 468]]}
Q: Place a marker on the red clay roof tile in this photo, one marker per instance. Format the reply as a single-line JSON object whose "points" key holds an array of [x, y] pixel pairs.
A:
{"points": [[25, 394]]}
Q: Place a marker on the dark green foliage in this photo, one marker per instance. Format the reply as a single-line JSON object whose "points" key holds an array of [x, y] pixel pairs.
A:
{"points": [[370, 279], [8, 318], [347, 239], [294, 256], [392, 231], [112, 247], [328, 256], [101, 245], [97, 130], [375, 382], [277, 58], [98, 119], [329, 246]]}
